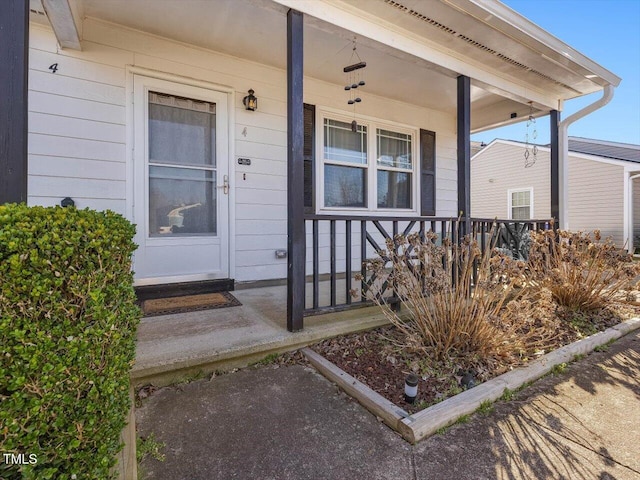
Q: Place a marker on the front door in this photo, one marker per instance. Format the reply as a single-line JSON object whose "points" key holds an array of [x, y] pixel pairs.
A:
{"points": [[181, 182]]}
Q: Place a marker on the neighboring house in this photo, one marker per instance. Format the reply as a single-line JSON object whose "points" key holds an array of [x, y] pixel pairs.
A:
{"points": [[149, 109], [602, 191]]}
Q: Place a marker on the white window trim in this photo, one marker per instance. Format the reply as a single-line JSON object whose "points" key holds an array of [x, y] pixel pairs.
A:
{"points": [[372, 124], [510, 193]]}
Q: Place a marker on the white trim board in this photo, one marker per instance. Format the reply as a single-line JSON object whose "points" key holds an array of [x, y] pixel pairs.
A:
{"points": [[584, 156], [510, 193]]}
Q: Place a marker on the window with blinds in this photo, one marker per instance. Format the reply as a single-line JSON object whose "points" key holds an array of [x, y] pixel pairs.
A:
{"points": [[352, 164]]}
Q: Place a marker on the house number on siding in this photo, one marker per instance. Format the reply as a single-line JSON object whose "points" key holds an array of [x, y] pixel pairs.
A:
{"points": [[53, 68]]}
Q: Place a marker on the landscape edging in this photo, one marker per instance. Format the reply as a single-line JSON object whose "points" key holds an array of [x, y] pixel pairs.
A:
{"points": [[426, 422]]}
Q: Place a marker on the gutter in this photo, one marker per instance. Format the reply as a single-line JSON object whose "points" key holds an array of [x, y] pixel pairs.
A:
{"points": [[563, 140], [507, 20]]}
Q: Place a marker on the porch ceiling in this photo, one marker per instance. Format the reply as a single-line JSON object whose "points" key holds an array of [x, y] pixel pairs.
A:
{"points": [[214, 24]]}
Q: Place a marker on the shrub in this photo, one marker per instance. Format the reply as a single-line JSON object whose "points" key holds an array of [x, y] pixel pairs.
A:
{"points": [[581, 274], [461, 319], [67, 328]]}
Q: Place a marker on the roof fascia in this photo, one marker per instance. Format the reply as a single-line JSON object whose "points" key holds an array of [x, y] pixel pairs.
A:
{"points": [[486, 147], [630, 146], [583, 156], [506, 17]]}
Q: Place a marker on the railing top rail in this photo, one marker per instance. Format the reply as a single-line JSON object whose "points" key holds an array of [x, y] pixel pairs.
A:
{"points": [[370, 218], [504, 220]]}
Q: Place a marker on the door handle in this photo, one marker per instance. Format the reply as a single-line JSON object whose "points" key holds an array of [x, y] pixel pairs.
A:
{"points": [[225, 185]]}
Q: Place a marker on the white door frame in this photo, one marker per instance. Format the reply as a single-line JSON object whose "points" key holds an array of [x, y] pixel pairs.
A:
{"points": [[180, 83]]}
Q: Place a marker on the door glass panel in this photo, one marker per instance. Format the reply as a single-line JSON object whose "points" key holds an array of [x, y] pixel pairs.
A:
{"points": [[182, 166], [182, 201], [181, 131]]}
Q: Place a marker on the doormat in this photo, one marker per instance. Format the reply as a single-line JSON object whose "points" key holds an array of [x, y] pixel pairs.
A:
{"points": [[188, 303]]}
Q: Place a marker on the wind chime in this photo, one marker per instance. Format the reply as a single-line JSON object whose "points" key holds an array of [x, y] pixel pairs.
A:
{"points": [[530, 157], [354, 81]]}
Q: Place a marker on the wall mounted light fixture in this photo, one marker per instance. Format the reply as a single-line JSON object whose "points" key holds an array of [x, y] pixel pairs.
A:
{"points": [[250, 102], [67, 202]]}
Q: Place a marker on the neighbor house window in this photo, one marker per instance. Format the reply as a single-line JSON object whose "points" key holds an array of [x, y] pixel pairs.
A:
{"points": [[520, 204], [367, 173]]}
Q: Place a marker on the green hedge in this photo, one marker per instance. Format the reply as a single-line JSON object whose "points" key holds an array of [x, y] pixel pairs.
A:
{"points": [[67, 329]]}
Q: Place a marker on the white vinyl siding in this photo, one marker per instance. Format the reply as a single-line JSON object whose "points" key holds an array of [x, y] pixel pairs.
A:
{"points": [[78, 131], [596, 198], [596, 189], [500, 168]]}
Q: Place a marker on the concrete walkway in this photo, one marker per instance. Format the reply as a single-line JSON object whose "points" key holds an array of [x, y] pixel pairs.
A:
{"points": [[171, 347], [290, 423]]}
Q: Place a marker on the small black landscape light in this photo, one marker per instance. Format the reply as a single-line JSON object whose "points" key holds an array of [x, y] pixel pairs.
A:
{"points": [[468, 380], [411, 388], [250, 102]]}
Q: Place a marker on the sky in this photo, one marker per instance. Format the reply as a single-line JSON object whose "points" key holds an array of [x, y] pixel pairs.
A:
{"points": [[606, 31]]}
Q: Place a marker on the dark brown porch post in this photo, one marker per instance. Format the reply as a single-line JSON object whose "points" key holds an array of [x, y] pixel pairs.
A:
{"points": [[464, 153], [295, 173], [14, 75], [554, 121]]}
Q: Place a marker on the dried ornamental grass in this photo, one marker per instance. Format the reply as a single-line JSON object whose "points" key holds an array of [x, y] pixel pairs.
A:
{"points": [[580, 272], [449, 315]]}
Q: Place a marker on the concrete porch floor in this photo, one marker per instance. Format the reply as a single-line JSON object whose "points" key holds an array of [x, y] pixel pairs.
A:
{"points": [[172, 347]]}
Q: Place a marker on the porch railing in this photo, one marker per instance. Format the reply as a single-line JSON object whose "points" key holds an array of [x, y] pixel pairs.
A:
{"points": [[337, 246]]}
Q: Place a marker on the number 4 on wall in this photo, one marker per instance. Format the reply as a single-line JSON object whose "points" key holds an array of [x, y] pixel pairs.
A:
{"points": [[54, 68]]}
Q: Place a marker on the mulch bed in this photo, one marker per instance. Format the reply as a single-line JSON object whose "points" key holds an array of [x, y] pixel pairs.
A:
{"points": [[371, 358], [374, 358]]}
